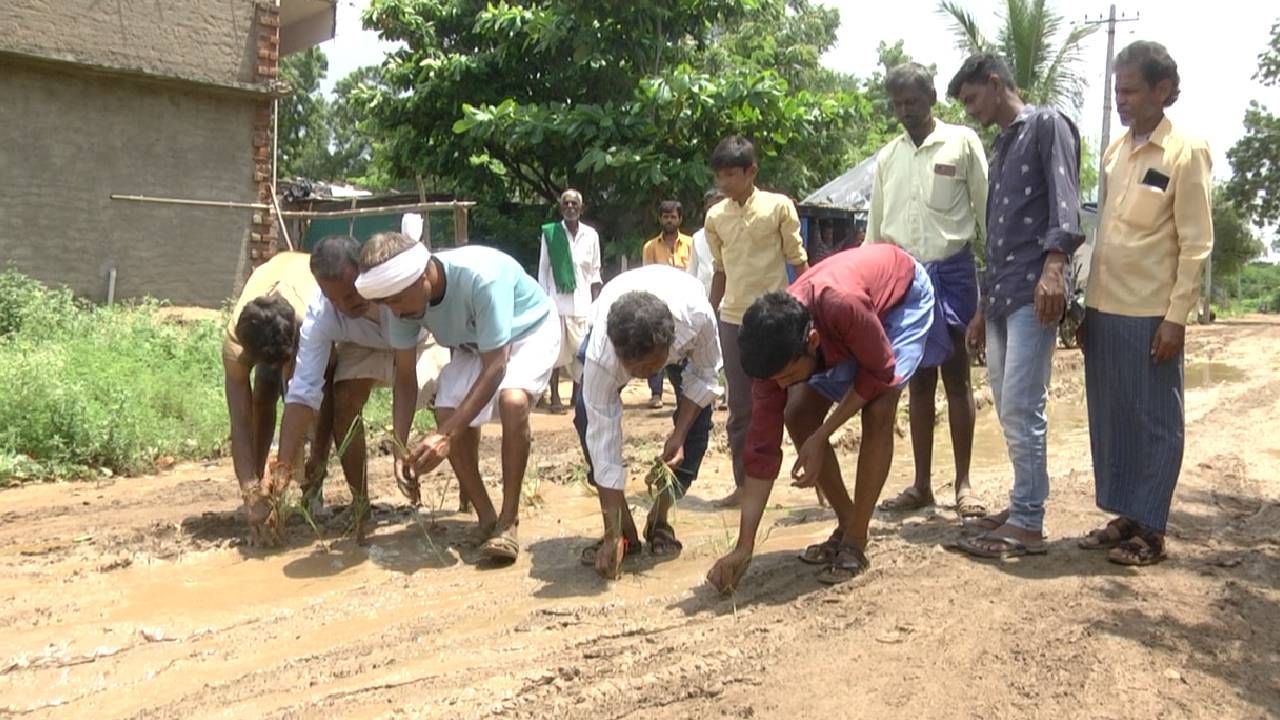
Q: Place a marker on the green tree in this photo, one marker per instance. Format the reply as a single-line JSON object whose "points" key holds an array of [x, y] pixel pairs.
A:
{"points": [[1234, 243], [303, 132], [1043, 52], [1255, 158], [621, 100]]}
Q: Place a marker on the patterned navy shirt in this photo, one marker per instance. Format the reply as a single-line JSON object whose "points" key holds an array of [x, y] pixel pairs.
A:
{"points": [[1033, 206]]}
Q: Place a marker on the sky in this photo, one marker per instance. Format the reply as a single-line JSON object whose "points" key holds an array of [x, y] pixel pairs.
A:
{"points": [[1216, 45]]}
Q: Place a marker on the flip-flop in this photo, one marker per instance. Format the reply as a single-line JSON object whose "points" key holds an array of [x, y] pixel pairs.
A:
{"points": [[1010, 547], [850, 562], [986, 523], [588, 555], [968, 506], [503, 546], [824, 552], [906, 501]]}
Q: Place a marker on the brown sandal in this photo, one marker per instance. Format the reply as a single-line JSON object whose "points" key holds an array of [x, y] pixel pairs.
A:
{"points": [[1140, 550], [1110, 535], [824, 552], [850, 562]]}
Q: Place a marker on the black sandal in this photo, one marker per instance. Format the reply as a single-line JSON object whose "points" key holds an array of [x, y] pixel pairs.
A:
{"points": [[662, 539], [1142, 549], [850, 562], [824, 552]]}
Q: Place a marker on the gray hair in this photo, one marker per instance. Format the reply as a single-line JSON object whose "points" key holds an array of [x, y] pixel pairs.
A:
{"points": [[1153, 61], [331, 257], [910, 74], [571, 192], [382, 247]]}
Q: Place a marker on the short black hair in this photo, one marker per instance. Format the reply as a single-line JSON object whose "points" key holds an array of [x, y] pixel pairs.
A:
{"points": [[334, 254], [977, 69], [1153, 61], [775, 331], [734, 151], [674, 206], [910, 74], [267, 329], [638, 324]]}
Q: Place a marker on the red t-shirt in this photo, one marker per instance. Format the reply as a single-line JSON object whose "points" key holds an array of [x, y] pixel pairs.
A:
{"points": [[847, 295]]}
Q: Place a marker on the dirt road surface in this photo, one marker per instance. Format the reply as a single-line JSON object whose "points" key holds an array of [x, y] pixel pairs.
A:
{"points": [[136, 598]]}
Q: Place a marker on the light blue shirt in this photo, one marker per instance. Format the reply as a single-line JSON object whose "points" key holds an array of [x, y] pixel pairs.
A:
{"points": [[489, 301], [322, 326]]}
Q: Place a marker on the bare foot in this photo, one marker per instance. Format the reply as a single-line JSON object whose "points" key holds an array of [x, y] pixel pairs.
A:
{"points": [[609, 556], [732, 500]]}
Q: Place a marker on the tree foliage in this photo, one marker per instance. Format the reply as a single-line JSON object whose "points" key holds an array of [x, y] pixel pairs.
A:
{"points": [[1255, 158], [1042, 50], [624, 101], [322, 139], [1234, 244]]}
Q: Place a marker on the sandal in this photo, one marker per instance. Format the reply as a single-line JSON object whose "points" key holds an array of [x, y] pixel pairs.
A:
{"points": [[662, 539], [1143, 548], [1005, 547], [1110, 535], [849, 562], [968, 506], [986, 523], [823, 553], [907, 500], [503, 546], [588, 555]]}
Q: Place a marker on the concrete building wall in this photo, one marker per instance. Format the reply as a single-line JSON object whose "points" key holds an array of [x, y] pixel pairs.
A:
{"points": [[68, 140], [210, 40]]}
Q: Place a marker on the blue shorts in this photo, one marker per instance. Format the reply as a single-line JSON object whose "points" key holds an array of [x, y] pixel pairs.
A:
{"points": [[907, 326]]}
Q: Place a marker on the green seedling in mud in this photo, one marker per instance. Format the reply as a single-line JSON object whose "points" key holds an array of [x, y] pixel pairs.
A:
{"points": [[412, 490]]}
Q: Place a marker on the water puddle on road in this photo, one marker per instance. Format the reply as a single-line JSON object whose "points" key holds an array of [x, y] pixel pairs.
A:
{"points": [[1207, 374]]}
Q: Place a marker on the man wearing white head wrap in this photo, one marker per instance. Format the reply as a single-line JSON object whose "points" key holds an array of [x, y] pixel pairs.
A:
{"points": [[505, 336]]}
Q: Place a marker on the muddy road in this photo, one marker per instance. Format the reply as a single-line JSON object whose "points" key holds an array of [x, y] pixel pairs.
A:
{"points": [[136, 598]]}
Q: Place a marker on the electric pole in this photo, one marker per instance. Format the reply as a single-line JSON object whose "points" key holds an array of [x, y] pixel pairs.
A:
{"points": [[1110, 21]]}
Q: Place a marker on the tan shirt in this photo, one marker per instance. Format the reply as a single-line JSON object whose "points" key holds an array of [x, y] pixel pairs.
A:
{"points": [[752, 243], [656, 252], [288, 275], [932, 199], [1152, 243]]}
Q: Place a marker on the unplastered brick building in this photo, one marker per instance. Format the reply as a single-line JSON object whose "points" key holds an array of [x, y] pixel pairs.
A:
{"points": [[150, 101]]}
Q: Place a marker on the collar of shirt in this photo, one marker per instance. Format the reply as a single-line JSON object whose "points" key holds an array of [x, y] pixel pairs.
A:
{"points": [[1157, 138]]}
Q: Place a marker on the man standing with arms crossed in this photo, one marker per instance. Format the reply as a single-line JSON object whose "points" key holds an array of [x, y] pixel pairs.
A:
{"points": [[1155, 232], [753, 235], [930, 199]]}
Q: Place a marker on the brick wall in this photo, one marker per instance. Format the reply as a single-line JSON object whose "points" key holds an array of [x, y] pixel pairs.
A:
{"points": [[263, 233]]}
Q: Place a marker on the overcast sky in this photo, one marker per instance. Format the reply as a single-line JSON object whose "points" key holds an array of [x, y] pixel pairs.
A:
{"points": [[1216, 45]]}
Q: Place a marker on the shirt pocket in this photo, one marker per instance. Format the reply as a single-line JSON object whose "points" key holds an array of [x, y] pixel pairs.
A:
{"points": [[1144, 206], [947, 185]]}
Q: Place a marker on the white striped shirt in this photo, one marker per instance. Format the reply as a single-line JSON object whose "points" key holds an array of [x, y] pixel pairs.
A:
{"points": [[603, 374]]}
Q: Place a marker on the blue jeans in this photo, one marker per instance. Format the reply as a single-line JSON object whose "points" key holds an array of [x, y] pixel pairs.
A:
{"points": [[1019, 362], [695, 443], [655, 384]]}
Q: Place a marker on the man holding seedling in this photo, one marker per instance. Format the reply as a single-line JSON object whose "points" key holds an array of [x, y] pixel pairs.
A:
{"points": [[850, 332], [634, 334], [505, 339], [339, 323]]}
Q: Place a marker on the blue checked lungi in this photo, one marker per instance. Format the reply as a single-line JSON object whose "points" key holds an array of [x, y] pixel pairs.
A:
{"points": [[908, 326], [955, 287]]}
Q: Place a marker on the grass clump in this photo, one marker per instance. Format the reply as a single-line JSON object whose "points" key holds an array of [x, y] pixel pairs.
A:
{"points": [[89, 391]]}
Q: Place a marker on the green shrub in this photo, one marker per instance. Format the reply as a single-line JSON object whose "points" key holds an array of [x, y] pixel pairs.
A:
{"points": [[90, 390]]}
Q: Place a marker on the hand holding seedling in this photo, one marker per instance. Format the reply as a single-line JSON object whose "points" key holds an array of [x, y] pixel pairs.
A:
{"points": [[429, 453], [673, 452], [809, 461], [406, 477]]}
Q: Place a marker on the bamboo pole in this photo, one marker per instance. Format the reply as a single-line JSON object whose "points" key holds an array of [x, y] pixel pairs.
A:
{"points": [[186, 201], [384, 210]]}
